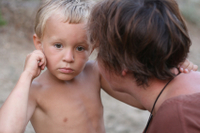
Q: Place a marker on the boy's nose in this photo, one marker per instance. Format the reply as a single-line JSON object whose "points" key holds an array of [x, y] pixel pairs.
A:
{"points": [[68, 56]]}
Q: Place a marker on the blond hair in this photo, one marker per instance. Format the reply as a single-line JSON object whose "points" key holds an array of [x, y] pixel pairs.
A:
{"points": [[73, 11]]}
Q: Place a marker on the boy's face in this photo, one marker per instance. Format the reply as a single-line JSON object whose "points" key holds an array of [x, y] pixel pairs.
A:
{"points": [[65, 47]]}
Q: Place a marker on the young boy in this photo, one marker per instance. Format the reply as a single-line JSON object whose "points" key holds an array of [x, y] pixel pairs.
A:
{"points": [[65, 98], [139, 41]]}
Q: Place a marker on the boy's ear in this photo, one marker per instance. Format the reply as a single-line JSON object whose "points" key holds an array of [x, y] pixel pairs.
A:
{"points": [[37, 42]]}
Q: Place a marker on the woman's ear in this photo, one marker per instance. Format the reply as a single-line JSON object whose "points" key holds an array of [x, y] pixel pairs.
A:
{"points": [[37, 42], [124, 72]]}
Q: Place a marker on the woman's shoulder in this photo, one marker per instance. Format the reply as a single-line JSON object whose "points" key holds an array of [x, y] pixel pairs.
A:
{"points": [[190, 75], [185, 84]]}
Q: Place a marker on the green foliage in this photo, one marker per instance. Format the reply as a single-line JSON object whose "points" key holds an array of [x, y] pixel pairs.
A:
{"points": [[2, 21]]}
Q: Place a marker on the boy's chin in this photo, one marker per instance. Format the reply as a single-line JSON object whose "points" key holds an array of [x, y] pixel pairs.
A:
{"points": [[66, 77]]}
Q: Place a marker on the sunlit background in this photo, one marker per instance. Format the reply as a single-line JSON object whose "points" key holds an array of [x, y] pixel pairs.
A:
{"points": [[16, 29]]}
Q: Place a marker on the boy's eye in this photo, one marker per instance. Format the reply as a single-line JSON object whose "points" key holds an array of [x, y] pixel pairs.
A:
{"points": [[58, 45], [79, 48]]}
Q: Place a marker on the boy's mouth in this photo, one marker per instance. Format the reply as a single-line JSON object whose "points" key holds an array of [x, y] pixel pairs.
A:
{"points": [[66, 70]]}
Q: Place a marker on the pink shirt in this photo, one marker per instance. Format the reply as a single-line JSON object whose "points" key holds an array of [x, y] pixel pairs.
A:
{"points": [[179, 114]]}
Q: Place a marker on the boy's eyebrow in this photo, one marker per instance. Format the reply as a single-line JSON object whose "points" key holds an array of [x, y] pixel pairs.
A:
{"points": [[81, 43], [57, 39]]}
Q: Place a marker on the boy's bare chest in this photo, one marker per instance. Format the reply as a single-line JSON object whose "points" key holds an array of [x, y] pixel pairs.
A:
{"points": [[68, 108], [57, 101]]}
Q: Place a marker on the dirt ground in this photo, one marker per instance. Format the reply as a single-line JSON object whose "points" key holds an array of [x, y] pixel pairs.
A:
{"points": [[119, 118]]}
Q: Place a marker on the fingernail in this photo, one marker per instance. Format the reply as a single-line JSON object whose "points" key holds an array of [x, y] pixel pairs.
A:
{"points": [[181, 69], [186, 70]]}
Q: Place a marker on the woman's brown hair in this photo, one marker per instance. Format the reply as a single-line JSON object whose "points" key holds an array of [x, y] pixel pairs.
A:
{"points": [[146, 37]]}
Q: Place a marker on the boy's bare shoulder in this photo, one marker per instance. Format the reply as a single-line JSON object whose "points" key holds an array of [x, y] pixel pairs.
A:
{"points": [[92, 66], [37, 85], [91, 71]]}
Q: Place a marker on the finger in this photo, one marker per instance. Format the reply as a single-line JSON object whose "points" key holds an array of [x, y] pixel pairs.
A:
{"points": [[43, 66], [181, 69], [186, 71], [39, 57], [174, 71], [188, 68], [43, 62], [195, 68], [185, 64]]}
